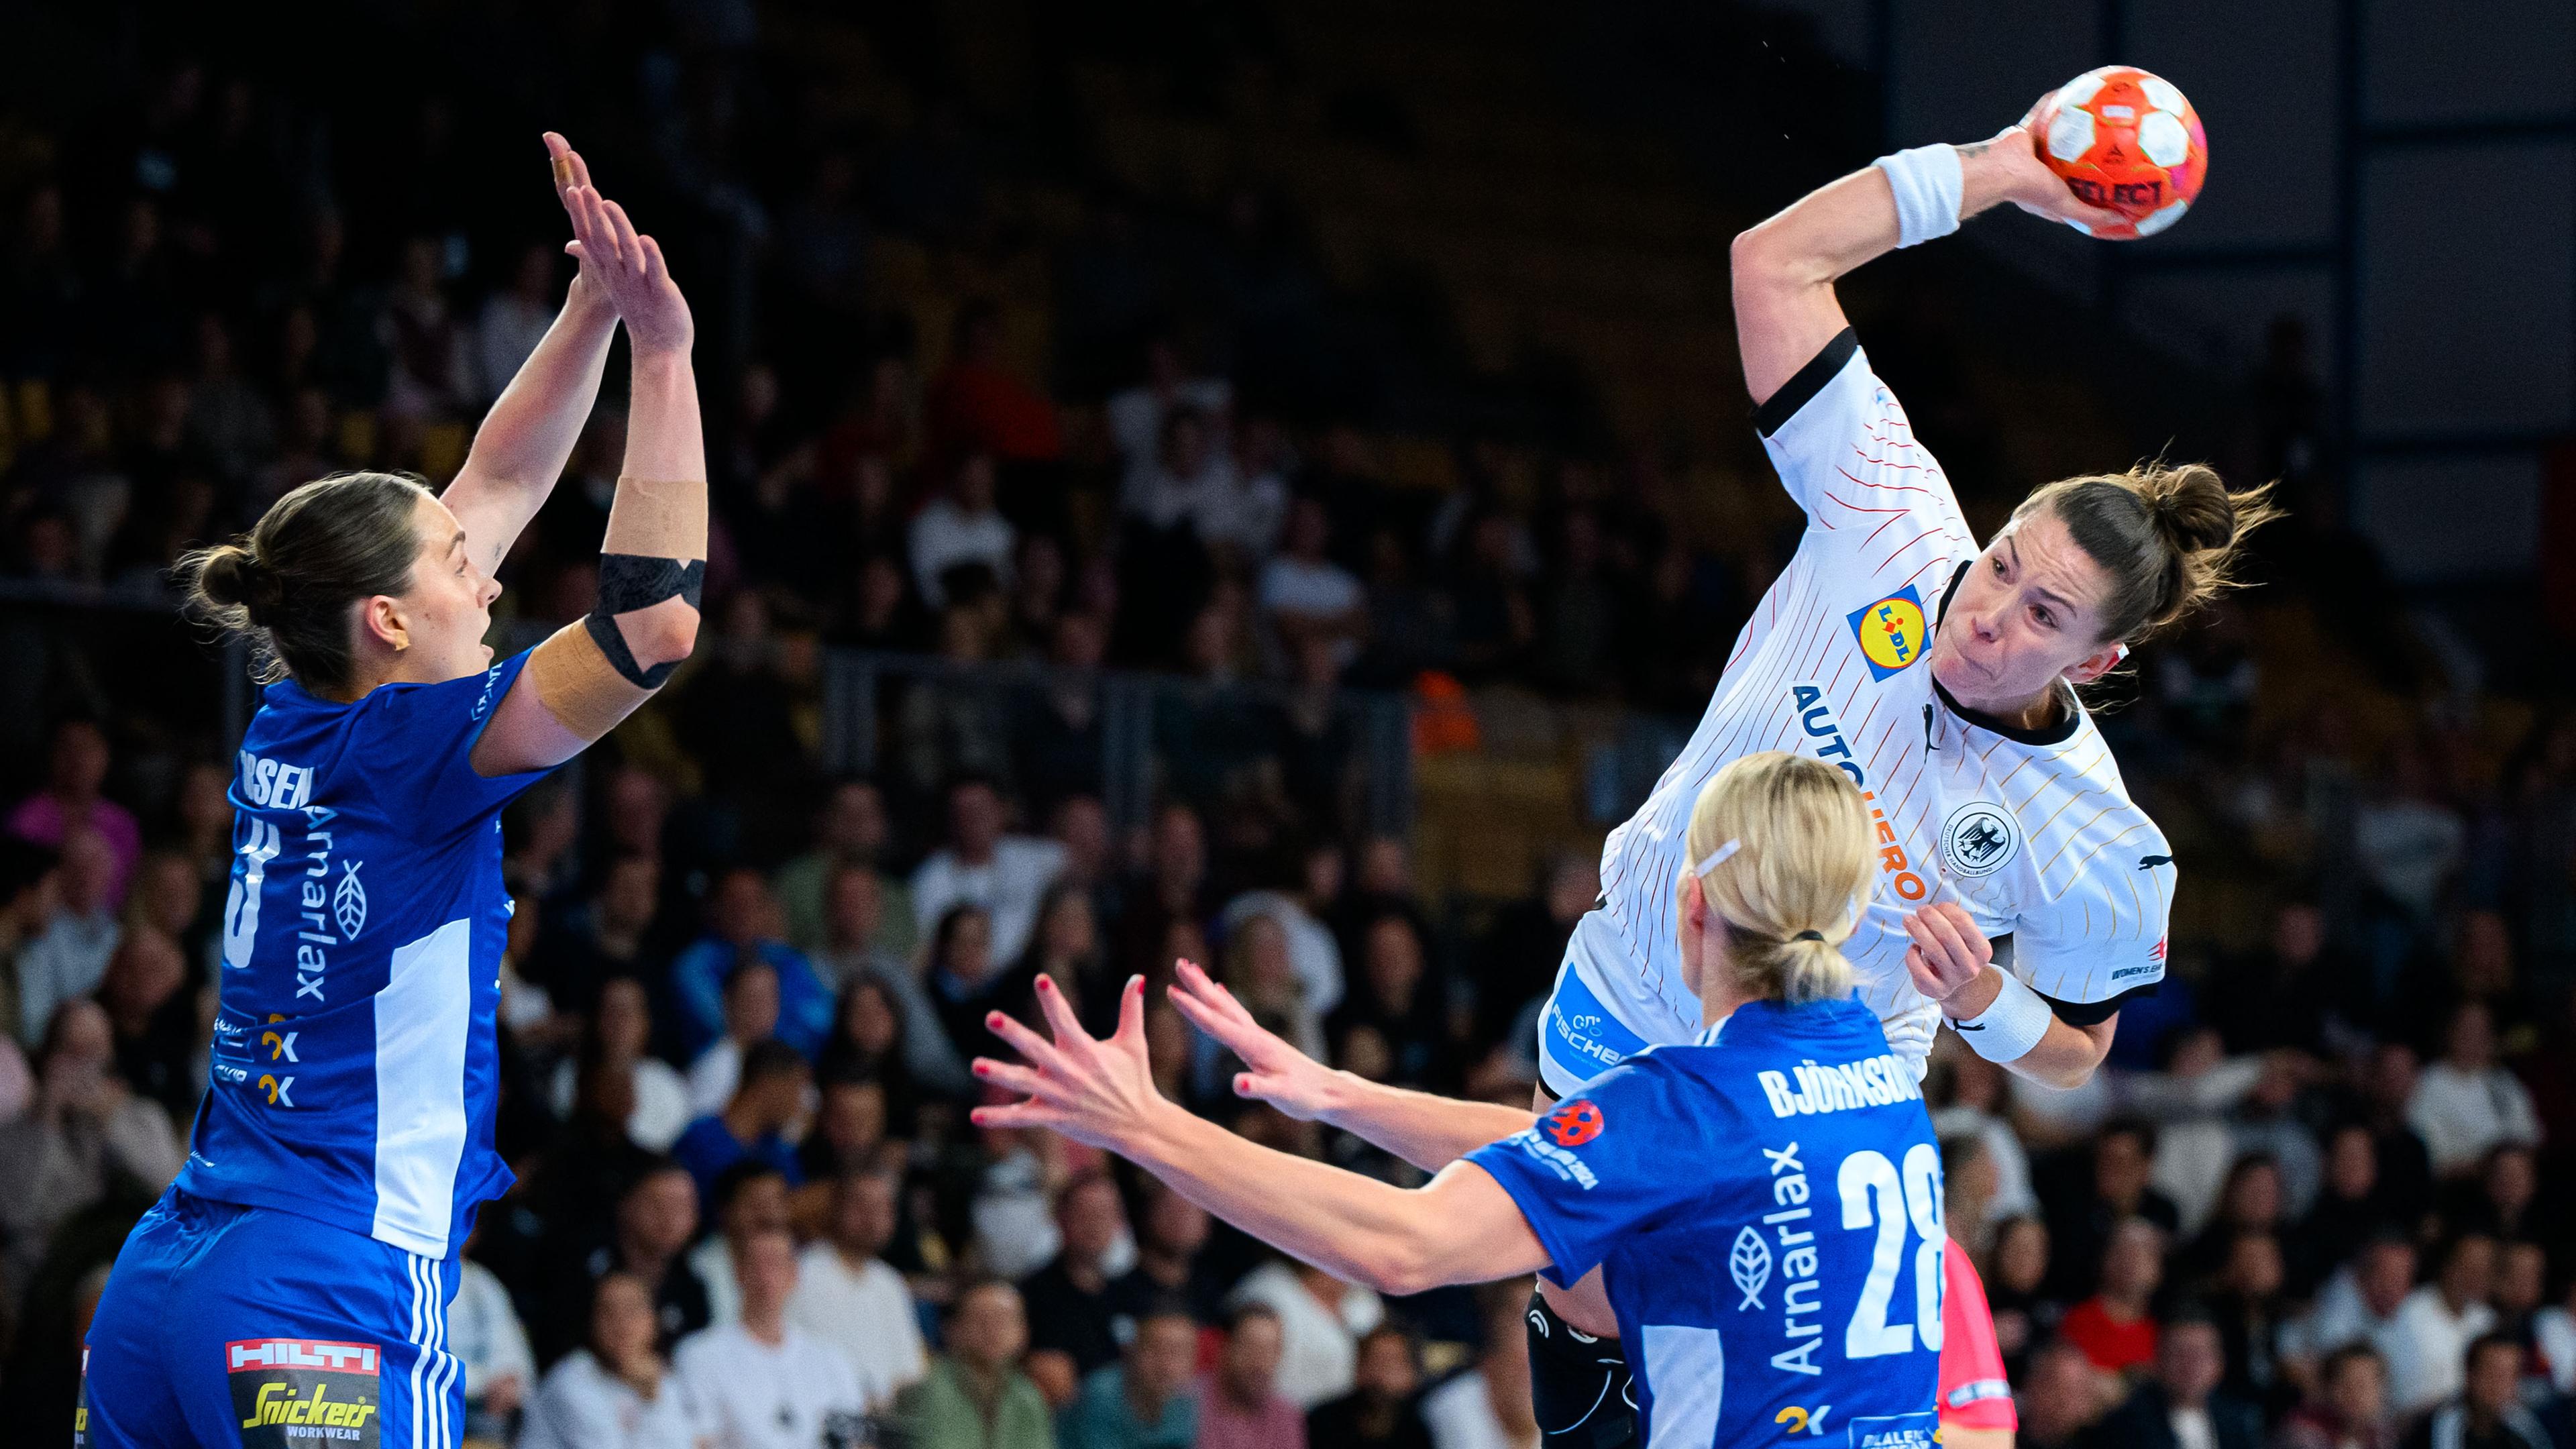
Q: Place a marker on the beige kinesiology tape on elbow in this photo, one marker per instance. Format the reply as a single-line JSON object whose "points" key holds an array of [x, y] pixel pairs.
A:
{"points": [[658, 518], [578, 686]]}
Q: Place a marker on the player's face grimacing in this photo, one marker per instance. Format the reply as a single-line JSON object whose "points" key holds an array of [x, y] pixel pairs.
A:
{"points": [[437, 625], [2027, 615]]}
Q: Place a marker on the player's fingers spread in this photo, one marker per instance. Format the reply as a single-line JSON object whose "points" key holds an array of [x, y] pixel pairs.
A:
{"points": [[1026, 1042], [630, 249], [1018, 1114], [1131, 1013], [1011, 1078], [1059, 1013]]}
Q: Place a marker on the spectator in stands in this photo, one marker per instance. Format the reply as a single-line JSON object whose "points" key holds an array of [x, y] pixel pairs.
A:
{"points": [[850, 835], [613, 1392], [960, 526], [614, 1040], [1143, 1401], [1394, 1000], [846, 1296], [85, 1133], [2018, 1267], [1239, 1402], [514, 320], [2503, 1200], [974, 1396], [2359, 1302], [1488, 1405], [763, 1381], [967, 983], [1379, 1411], [484, 1333], [2486, 1414], [2436, 1323], [1057, 721], [888, 1031], [2349, 1209], [2246, 1301], [750, 1198], [2521, 1286], [76, 764], [1303, 593], [2387, 1090], [771, 1096], [1072, 1311], [2553, 1339], [1007, 875], [159, 1027], [2062, 1397], [30, 895], [69, 954], [2116, 1327], [1065, 948], [1136, 415], [2465, 1102], [743, 926], [1171, 1234], [656, 1216], [849, 1133], [1321, 1319], [2180, 1405], [582, 946], [2081, 1220], [1173, 889], [977, 403], [2250, 1200], [750, 1018], [2349, 1410]]}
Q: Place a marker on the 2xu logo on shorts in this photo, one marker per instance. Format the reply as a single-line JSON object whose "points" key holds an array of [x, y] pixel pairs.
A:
{"points": [[298, 1393]]}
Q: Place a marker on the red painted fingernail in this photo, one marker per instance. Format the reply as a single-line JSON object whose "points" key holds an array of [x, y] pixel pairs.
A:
{"points": [[993, 1019], [983, 1067]]}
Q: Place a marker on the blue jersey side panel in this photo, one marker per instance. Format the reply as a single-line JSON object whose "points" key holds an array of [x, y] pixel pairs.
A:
{"points": [[355, 1066], [1766, 1210]]}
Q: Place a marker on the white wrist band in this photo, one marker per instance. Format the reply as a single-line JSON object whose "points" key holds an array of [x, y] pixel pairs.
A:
{"points": [[2010, 1027], [1928, 185]]}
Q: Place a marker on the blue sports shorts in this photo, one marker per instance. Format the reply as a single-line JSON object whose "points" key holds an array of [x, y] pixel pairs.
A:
{"points": [[225, 1325]]}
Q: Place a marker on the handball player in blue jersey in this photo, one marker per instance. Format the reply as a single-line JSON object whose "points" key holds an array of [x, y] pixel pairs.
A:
{"points": [[1787, 1287], [291, 1288]]}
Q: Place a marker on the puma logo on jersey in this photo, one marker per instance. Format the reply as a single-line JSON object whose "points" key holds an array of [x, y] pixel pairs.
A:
{"points": [[2150, 862]]}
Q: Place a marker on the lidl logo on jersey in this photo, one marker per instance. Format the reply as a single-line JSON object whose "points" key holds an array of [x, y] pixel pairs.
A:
{"points": [[304, 1393], [1892, 632]]}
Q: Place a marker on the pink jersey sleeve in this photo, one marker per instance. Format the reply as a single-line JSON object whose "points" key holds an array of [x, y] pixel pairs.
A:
{"points": [[1973, 1392]]}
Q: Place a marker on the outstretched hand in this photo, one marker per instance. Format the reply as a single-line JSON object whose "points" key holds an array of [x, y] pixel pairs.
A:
{"points": [[1099, 1092], [626, 266], [1279, 1074]]}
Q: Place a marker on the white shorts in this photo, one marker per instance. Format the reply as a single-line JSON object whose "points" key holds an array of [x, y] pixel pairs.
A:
{"points": [[1601, 1011]]}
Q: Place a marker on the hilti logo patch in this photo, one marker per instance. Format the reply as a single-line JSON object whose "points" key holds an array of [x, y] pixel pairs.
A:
{"points": [[277, 1353]]}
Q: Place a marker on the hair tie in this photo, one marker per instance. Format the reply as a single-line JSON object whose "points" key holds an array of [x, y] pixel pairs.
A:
{"points": [[1808, 936], [1717, 857]]}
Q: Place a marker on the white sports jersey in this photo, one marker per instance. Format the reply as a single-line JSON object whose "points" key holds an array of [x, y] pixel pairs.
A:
{"points": [[2033, 833]]}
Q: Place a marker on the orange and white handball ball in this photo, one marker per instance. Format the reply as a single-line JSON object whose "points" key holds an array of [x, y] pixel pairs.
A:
{"points": [[2126, 141]]}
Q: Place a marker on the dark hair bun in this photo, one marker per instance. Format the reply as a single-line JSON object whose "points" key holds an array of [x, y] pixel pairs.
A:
{"points": [[231, 577], [2192, 508]]}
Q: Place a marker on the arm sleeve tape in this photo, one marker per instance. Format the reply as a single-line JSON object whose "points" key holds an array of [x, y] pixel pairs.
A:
{"points": [[628, 582]]}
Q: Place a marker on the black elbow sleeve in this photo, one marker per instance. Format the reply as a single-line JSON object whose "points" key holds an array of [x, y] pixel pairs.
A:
{"points": [[628, 582]]}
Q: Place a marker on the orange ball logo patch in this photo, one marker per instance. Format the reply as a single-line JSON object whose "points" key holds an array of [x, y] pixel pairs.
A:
{"points": [[1573, 1124]]}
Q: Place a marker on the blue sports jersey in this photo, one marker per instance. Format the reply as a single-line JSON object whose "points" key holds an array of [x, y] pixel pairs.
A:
{"points": [[1765, 1206], [355, 1064]]}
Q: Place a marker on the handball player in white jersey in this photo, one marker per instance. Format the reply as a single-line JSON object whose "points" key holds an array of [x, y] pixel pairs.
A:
{"points": [[2021, 896]]}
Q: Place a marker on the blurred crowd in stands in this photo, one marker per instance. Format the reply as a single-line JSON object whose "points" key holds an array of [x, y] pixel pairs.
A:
{"points": [[2319, 1198]]}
